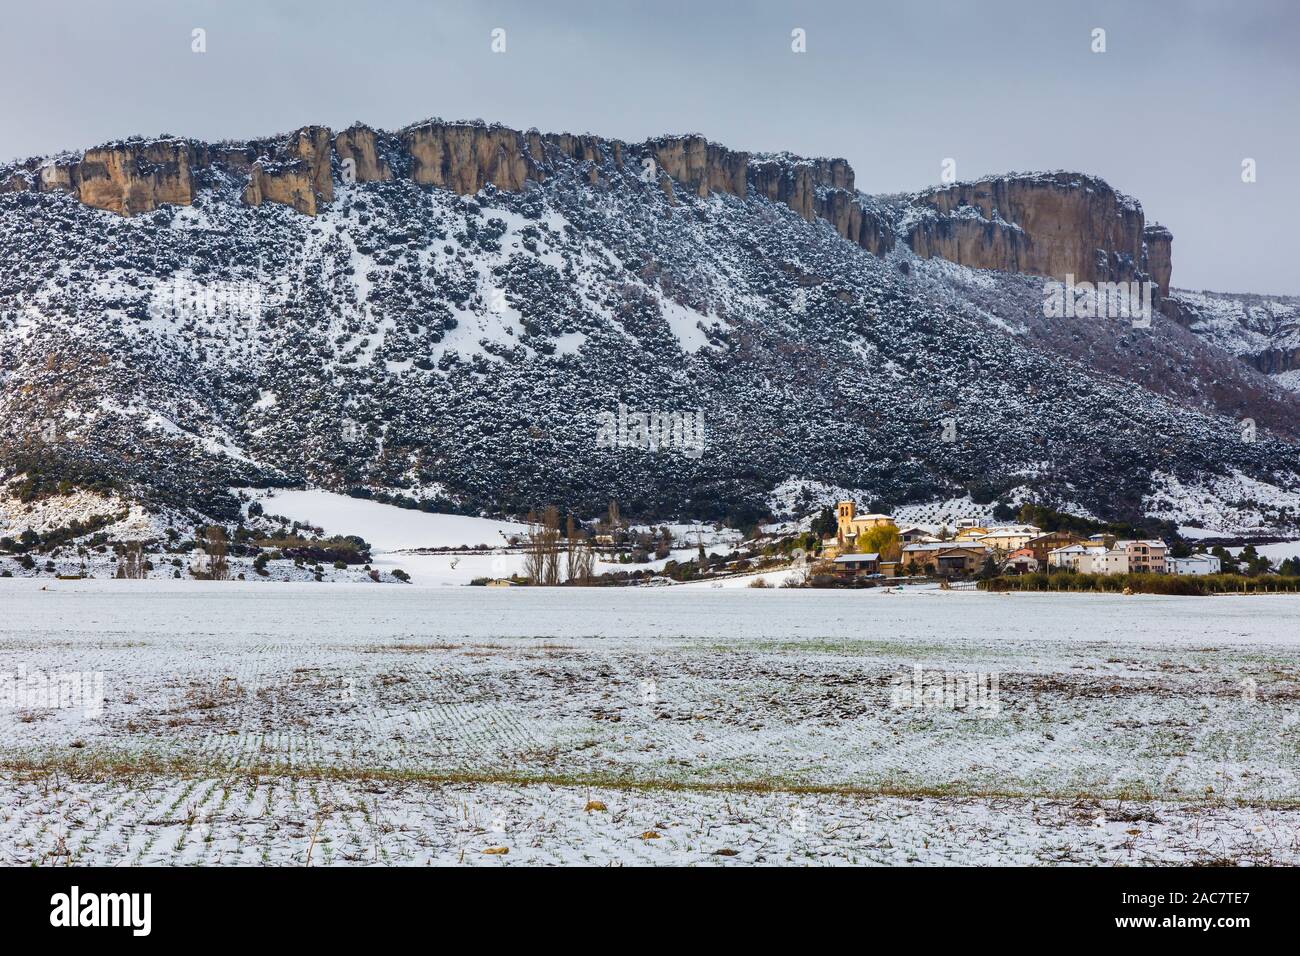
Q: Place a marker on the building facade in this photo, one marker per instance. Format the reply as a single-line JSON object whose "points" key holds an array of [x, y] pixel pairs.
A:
{"points": [[1145, 556], [1125, 557], [1195, 564], [946, 559], [849, 524], [1044, 544], [1009, 539]]}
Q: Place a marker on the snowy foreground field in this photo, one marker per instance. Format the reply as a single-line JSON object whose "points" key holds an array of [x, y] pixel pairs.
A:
{"points": [[342, 724]]}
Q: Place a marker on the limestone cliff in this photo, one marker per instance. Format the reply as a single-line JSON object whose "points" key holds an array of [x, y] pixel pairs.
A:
{"points": [[313, 146], [1050, 224], [701, 166], [823, 189], [289, 183], [583, 148], [786, 179], [136, 177], [465, 157], [296, 172], [360, 144], [1159, 248], [591, 153], [57, 177]]}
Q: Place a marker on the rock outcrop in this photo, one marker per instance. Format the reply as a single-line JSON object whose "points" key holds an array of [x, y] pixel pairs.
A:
{"points": [[297, 172], [18, 181], [785, 180], [360, 145], [465, 157], [583, 148], [312, 145], [289, 183], [136, 177], [823, 189], [1159, 250], [236, 160], [57, 177], [701, 166], [1051, 224]]}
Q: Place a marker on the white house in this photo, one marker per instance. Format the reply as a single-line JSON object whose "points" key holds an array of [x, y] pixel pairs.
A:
{"points": [[1089, 559], [1104, 561], [1071, 557], [1195, 564]]}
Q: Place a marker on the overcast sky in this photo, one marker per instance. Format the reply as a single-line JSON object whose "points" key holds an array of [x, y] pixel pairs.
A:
{"points": [[1185, 91]]}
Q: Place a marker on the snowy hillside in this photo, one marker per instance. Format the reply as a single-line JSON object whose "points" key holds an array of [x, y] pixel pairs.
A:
{"points": [[385, 527], [1263, 330], [464, 351]]}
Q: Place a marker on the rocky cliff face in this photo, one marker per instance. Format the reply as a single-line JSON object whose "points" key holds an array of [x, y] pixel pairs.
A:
{"points": [[1261, 330], [371, 350], [823, 189], [297, 172], [56, 177], [1159, 246], [127, 178], [465, 157], [133, 178], [1053, 224], [701, 166], [312, 145], [360, 145], [290, 184]]}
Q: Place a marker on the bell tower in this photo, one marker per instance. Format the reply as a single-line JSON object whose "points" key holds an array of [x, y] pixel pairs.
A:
{"points": [[844, 513]]}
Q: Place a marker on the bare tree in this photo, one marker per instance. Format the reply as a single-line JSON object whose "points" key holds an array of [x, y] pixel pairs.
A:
{"points": [[534, 559], [214, 543], [542, 547], [579, 557], [551, 524], [132, 564]]}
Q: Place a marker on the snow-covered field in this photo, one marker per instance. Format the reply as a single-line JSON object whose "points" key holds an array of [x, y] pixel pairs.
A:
{"points": [[387, 527], [242, 723], [400, 537]]}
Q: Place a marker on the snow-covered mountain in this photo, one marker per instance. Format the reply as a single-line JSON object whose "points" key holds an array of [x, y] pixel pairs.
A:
{"points": [[1262, 330], [457, 313]]}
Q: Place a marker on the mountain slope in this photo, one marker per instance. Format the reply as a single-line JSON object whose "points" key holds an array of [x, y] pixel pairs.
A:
{"points": [[1261, 330], [462, 349]]}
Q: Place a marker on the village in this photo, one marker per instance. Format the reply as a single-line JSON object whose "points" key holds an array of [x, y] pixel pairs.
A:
{"points": [[875, 546]]}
